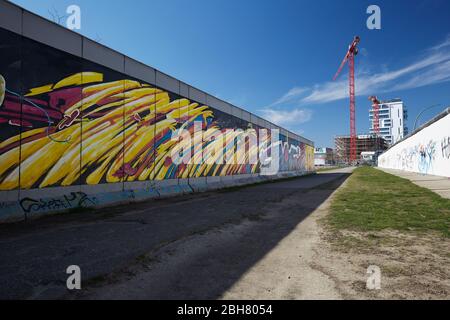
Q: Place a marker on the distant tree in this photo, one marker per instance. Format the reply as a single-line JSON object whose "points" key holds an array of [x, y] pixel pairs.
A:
{"points": [[60, 19], [56, 17]]}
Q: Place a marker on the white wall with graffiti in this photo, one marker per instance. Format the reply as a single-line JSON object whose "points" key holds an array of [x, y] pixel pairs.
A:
{"points": [[426, 152]]}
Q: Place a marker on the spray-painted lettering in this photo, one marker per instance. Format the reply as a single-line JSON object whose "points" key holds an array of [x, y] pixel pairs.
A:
{"points": [[72, 200]]}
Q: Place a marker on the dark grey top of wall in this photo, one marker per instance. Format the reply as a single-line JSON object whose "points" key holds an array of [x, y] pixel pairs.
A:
{"points": [[30, 25], [427, 124]]}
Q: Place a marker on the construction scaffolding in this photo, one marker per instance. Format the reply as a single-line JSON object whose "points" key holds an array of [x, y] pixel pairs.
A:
{"points": [[364, 143]]}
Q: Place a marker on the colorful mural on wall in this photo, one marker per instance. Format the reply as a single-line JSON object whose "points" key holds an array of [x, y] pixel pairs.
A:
{"points": [[66, 121], [123, 128], [295, 156]]}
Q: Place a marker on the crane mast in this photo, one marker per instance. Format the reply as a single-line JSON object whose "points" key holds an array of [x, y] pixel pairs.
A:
{"points": [[376, 114], [350, 58]]}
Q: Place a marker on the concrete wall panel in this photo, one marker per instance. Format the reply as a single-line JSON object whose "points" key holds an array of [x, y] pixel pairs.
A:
{"points": [[10, 17], [259, 122], [48, 192], [197, 95], [102, 55], [7, 196], [103, 172], [426, 152], [167, 82], [184, 90], [218, 104], [237, 112], [253, 118], [102, 188], [140, 71], [246, 116], [42, 30]]}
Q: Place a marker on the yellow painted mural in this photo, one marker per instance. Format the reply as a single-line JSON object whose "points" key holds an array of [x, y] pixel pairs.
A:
{"points": [[108, 132]]}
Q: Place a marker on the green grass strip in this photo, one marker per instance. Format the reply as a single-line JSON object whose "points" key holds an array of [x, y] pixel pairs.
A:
{"points": [[374, 200]]}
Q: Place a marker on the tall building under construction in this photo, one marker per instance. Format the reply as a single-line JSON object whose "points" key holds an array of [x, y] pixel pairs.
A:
{"points": [[393, 116], [364, 143]]}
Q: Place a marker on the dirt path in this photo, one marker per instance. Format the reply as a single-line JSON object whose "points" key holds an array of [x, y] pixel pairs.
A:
{"points": [[195, 246], [260, 242], [205, 266], [289, 271], [412, 265], [302, 259]]}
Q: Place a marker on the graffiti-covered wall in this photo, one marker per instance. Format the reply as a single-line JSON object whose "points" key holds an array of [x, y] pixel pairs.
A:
{"points": [[426, 152], [67, 123]]}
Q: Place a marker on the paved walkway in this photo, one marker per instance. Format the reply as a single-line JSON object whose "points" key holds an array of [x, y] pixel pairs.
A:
{"points": [[437, 184]]}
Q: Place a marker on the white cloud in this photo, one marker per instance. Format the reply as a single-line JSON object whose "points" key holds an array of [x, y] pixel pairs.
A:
{"points": [[292, 94], [417, 74], [444, 44], [433, 67], [436, 74], [286, 118]]}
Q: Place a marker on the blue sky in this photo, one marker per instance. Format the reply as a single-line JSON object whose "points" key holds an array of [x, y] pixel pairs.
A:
{"points": [[278, 58]]}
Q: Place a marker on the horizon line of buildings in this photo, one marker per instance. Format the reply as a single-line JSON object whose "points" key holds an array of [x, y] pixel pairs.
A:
{"points": [[393, 116]]}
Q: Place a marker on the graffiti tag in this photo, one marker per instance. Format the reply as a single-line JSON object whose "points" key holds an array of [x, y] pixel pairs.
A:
{"points": [[73, 200], [421, 156], [427, 154], [445, 147]]}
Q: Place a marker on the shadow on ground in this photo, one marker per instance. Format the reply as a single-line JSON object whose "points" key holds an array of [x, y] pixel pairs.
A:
{"points": [[34, 255]]}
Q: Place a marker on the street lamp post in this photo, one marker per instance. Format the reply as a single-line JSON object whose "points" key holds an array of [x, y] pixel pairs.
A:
{"points": [[426, 109]]}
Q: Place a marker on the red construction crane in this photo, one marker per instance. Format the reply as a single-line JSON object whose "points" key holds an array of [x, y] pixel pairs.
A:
{"points": [[350, 57], [376, 114]]}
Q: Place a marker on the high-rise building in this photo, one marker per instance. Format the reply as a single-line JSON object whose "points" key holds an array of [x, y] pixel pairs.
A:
{"points": [[393, 115]]}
